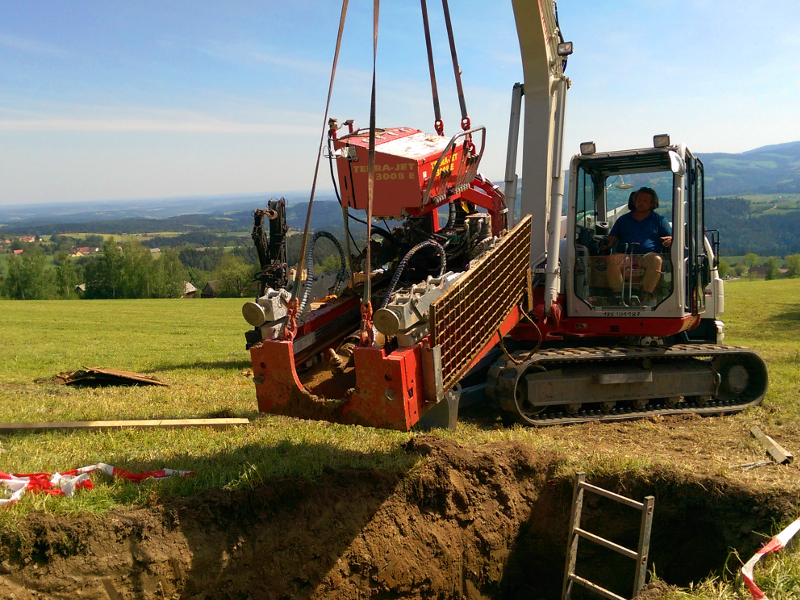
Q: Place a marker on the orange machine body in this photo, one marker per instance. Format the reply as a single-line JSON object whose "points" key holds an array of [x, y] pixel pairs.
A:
{"points": [[405, 159]]}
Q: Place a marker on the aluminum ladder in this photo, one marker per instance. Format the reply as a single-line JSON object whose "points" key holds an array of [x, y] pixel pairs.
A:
{"points": [[576, 532]]}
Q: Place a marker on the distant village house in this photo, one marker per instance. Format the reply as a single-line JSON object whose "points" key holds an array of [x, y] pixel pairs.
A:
{"points": [[85, 251], [189, 290], [212, 289]]}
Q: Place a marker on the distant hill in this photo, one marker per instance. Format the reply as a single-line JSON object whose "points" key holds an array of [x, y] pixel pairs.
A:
{"points": [[767, 170], [326, 214], [153, 208]]}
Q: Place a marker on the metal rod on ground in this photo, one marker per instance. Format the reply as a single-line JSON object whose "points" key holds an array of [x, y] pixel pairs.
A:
{"points": [[778, 453], [222, 423]]}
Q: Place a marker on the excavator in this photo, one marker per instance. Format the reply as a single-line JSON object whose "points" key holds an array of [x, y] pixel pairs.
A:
{"points": [[516, 288]]}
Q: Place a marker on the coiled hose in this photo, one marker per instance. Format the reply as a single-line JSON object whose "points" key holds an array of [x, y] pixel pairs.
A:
{"points": [[340, 278], [404, 262]]}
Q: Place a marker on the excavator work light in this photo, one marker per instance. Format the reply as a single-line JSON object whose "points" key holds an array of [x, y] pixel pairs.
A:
{"points": [[588, 148], [564, 49], [661, 141]]}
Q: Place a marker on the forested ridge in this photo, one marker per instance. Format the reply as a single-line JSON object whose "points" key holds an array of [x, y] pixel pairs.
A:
{"points": [[743, 231]]}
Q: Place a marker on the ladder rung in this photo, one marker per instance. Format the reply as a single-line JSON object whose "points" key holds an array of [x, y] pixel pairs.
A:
{"points": [[612, 495], [608, 544], [595, 588]]}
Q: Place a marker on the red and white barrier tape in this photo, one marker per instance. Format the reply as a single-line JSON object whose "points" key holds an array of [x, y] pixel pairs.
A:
{"points": [[65, 484], [776, 543]]}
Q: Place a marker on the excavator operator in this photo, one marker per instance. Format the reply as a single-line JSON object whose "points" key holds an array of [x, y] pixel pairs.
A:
{"points": [[646, 233]]}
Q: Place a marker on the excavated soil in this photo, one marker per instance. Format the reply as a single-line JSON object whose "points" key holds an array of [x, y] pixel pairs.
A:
{"points": [[467, 522]]}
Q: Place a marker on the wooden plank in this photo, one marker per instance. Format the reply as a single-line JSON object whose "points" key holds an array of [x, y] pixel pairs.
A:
{"points": [[781, 456], [98, 376], [125, 375], [150, 423]]}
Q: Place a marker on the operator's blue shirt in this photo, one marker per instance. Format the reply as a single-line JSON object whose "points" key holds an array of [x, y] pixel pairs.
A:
{"points": [[647, 232]]}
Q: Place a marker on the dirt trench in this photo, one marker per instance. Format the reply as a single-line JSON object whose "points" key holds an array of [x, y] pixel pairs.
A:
{"points": [[475, 523]]}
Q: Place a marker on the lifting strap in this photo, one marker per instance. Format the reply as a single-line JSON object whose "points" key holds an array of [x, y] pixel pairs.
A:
{"points": [[366, 303], [290, 327], [437, 112], [465, 123]]}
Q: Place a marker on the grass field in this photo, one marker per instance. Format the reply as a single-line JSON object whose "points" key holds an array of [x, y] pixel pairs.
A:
{"points": [[195, 346], [198, 348]]}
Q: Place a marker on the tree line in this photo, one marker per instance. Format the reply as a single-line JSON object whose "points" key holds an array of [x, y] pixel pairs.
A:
{"points": [[125, 270], [130, 270], [747, 266]]}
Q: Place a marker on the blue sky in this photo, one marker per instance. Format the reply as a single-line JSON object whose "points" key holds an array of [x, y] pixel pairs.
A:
{"points": [[151, 99]]}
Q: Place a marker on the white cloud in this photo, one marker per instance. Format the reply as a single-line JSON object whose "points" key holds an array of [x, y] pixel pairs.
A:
{"points": [[148, 125], [139, 120], [791, 39], [248, 53], [27, 45]]}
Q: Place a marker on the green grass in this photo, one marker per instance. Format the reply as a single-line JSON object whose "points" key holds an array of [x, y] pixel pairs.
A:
{"points": [[197, 346], [766, 315], [777, 575]]}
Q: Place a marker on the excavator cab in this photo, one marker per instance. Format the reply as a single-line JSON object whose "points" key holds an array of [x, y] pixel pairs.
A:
{"points": [[630, 279]]}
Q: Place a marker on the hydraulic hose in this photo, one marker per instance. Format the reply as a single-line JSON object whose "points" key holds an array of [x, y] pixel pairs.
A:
{"points": [[451, 215], [340, 278], [404, 262]]}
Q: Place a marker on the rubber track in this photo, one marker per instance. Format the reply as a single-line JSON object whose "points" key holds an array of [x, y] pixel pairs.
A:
{"points": [[504, 375]]}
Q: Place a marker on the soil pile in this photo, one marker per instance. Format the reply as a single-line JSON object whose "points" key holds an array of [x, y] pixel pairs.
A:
{"points": [[477, 522]]}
